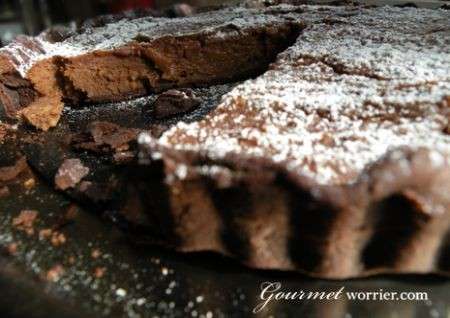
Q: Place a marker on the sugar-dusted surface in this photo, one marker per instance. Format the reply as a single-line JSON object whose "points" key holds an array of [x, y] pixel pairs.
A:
{"points": [[357, 84], [222, 23]]}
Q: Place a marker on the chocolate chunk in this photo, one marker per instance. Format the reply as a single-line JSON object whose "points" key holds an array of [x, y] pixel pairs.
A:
{"points": [[11, 100], [174, 102], [15, 93], [25, 221], [10, 173], [105, 137], [71, 172], [112, 135], [14, 81]]}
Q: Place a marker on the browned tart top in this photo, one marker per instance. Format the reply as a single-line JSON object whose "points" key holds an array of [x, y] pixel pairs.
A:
{"points": [[357, 84]]}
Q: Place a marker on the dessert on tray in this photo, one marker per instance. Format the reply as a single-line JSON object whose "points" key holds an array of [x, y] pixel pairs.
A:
{"points": [[334, 160]]}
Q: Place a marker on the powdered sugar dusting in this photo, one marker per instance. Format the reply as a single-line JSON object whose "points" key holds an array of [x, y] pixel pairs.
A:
{"points": [[220, 23], [355, 85]]}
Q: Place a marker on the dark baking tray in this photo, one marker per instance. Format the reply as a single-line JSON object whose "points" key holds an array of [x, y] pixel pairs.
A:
{"points": [[146, 281]]}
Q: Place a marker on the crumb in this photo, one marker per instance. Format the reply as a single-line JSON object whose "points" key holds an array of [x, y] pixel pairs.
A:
{"points": [[99, 272], [45, 234], [55, 273], [25, 221], [70, 173], [11, 249], [96, 253], [174, 102], [58, 239], [10, 173], [71, 260], [44, 113], [4, 192], [29, 184], [105, 137]]}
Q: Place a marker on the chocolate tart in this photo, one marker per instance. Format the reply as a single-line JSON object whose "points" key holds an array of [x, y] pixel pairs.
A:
{"points": [[333, 160]]}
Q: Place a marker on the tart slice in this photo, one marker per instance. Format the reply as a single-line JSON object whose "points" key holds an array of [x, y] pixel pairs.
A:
{"points": [[135, 57]]}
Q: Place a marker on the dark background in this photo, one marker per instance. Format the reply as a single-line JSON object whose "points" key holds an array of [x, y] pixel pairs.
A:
{"points": [[32, 16]]}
